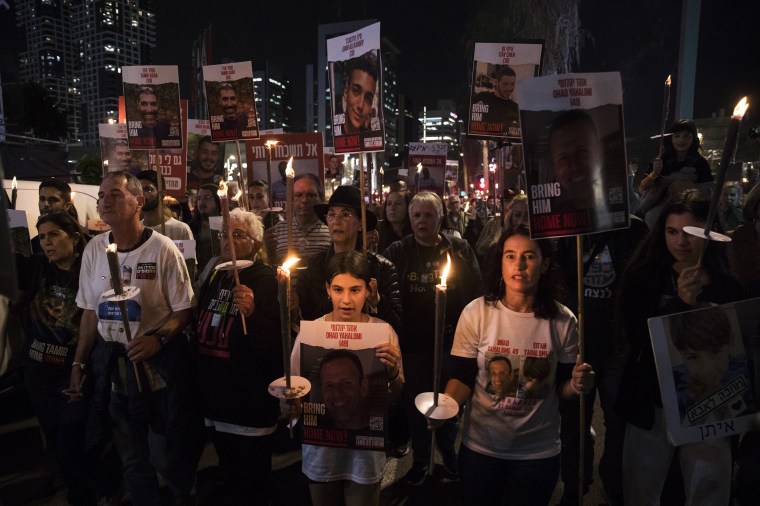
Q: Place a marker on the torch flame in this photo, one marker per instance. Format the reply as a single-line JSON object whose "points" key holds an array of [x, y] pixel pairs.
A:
{"points": [[222, 192], [419, 167], [667, 81], [111, 248], [271, 143], [740, 109], [289, 172], [288, 263], [445, 273]]}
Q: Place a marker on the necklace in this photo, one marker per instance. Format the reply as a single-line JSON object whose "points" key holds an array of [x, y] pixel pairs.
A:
{"points": [[429, 263], [303, 241]]}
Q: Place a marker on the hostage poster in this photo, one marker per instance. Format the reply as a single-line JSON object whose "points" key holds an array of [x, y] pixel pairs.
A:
{"points": [[347, 404], [574, 149], [151, 100], [114, 149], [231, 102], [205, 158], [427, 166], [356, 85], [708, 370], [497, 70], [306, 150]]}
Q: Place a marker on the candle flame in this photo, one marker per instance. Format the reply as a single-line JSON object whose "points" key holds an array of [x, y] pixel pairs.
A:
{"points": [[73, 194], [288, 263], [419, 167], [111, 248], [289, 172], [222, 192], [271, 143], [14, 184], [445, 273], [238, 195], [740, 109], [667, 81]]}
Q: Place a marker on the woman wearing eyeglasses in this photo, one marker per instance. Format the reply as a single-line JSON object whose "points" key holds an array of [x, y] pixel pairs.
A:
{"points": [[235, 369], [51, 325], [342, 215]]}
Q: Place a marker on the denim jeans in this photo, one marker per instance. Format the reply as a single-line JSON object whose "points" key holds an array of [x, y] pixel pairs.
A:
{"points": [[488, 480]]}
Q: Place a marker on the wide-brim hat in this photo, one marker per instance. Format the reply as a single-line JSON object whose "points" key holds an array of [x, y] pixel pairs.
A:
{"points": [[345, 196]]}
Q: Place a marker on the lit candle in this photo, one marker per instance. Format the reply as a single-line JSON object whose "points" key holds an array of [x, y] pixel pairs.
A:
{"points": [[289, 177], [226, 225], [118, 289], [728, 153], [283, 296], [113, 267], [440, 320], [14, 193], [419, 169]]}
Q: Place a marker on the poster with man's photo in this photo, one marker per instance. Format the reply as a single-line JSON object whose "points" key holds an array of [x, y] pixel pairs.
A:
{"points": [[427, 166], [152, 106], [114, 149], [306, 150], [574, 153], [348, 402], [205, 158], [356, 85], [708, 370], [231, 102], [21, 242], [497, 70]]}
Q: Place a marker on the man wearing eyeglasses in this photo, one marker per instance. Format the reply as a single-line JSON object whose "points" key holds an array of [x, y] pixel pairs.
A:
{"points": [[309, 234]]}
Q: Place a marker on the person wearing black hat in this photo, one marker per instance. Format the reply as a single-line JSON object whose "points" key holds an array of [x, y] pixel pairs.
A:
{"points": [[342, 215]]}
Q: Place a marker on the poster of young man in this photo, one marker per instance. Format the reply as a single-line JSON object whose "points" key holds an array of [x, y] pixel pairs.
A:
{"points": [[347, 405], [704, 370], [151, 99], [205, 158], [231, 103], [427, 166], [356, 83], [21, 242], [497, 70], [574, 148], [306, 150], [114, 149]]}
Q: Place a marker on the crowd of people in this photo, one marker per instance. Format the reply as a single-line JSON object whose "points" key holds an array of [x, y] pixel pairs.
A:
{"points": [[172, 366]]}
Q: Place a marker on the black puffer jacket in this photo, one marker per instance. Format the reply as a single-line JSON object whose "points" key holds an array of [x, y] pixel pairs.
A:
{"points": [[312, 296]]}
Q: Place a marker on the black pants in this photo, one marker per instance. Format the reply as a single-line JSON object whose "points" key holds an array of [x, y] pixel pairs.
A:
{"points": [[245, 468]]}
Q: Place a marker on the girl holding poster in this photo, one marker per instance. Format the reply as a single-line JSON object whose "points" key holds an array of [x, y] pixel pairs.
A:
{"points": [[342, 475], [510, 445], [668, 274]]}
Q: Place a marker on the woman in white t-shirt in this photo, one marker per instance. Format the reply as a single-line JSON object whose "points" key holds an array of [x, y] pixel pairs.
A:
{"points": [[510, 444], [338, 475]]}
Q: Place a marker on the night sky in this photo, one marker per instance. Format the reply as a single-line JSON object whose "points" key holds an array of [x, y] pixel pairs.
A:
{"points": [[639, 38]]}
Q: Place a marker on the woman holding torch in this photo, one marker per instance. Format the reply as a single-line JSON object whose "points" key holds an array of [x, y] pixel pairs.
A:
{"points": [[670, 272], [235, 369], [510, 445]]}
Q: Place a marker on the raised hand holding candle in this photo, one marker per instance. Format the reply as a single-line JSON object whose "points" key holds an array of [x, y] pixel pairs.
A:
{"points": [[225, 204]]}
